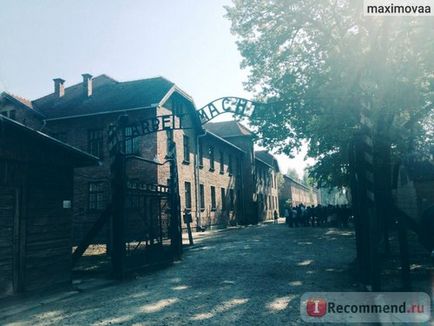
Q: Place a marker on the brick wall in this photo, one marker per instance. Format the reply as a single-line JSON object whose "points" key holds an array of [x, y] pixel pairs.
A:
{"points": [[76, 133], [224, 213], [266, 191], [248, 170]]}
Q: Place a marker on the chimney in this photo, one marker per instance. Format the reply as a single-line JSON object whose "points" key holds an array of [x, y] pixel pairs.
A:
{"points": [[87, 85], [59, 88]]}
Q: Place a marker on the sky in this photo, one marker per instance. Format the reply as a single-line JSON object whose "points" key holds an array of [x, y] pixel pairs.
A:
{"points": [[186, 41]]}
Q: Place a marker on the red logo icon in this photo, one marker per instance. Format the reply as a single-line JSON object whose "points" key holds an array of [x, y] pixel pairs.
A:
{"points": [[316, 307]]}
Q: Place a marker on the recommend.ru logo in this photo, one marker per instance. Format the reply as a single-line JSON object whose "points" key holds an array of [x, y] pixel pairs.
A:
{"points": [[369, 307]]}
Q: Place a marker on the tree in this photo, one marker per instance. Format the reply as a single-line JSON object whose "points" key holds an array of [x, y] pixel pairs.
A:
{"points": [[321, 62]]}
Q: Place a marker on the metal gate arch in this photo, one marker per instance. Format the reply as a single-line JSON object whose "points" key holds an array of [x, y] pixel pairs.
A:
{"points": [[129, 194]]}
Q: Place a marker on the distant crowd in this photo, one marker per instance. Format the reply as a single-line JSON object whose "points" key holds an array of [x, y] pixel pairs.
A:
{"points": [[300, 215]]}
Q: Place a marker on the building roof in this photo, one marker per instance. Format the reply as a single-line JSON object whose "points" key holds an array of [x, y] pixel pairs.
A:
{"points": [[224, 141], [21, 101], [228, 129], [263, 162], [108, 95], [268, 158], [68, 153]]}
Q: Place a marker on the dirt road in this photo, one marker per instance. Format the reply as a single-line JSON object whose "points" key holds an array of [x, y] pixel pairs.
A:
{"points": [[247, 276]]}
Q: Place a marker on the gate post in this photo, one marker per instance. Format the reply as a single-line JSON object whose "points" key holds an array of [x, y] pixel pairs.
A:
{"points": [[118, 216], [175, 207], [118, 193]]}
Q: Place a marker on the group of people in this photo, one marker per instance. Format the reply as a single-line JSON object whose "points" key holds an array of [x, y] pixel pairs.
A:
{"points": [[301, 215]]}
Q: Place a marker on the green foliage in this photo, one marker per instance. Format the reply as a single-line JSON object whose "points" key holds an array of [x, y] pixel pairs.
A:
{"points": [[321, 62]]}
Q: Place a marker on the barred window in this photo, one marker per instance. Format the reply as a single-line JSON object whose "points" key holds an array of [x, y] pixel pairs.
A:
{"points": [[131, 143], [187, 195], [200, 154], [202, 196], [169, 140], [213, 199], [96, 196], [95, 142], [186, 149], [211, 158]]}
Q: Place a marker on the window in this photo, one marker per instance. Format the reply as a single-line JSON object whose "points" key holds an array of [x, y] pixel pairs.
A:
{"points": [[169, 140], [202, 196], [232, 199], [95, 142], [211, 158], [222, 162], [213, 201], [200, 154], [186, 142], [131, 143], [223, 195], [187, 195], [230, 165], [96, 196]]}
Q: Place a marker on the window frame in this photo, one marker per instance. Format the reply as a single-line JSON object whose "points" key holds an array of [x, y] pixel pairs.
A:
{"points": [[186, 149], [223, 198], [93, 196], [200, 154], [131, 145], [211, 152], [95, 142], [187, 195], [202, 197], [213, 198]]}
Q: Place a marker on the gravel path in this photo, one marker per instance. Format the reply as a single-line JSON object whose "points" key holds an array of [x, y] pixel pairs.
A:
{"points": [[247, 276]]}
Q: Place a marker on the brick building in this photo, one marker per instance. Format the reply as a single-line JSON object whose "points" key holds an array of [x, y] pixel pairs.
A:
{"points": [[293, 192], [259, 171], [222, 181]]}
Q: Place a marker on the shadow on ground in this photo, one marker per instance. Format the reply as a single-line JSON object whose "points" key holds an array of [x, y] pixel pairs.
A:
{"points": [[248, 276]]}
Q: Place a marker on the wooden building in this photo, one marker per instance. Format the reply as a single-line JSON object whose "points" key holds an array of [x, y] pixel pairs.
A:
{"points": [[36, 185]]}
